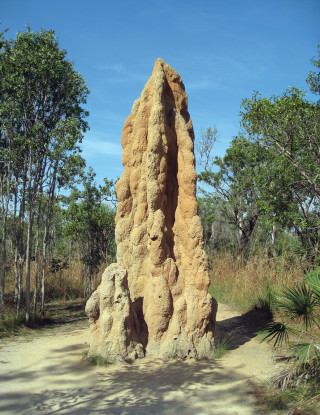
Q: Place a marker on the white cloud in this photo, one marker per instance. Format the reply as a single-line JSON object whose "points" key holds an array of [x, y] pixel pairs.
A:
{"points": [[93, 147], [119, 73]]}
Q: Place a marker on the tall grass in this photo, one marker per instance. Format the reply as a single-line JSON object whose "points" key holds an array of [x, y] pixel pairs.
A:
{"points": [[244, 282], [69, 283], [65, 284]]}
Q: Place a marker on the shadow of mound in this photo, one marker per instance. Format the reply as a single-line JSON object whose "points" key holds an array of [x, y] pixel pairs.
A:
{"points": [[150, 387], [238, 330]]}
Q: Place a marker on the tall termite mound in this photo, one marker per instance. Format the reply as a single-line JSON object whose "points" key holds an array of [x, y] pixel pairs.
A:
{"points": [[159, 234]]}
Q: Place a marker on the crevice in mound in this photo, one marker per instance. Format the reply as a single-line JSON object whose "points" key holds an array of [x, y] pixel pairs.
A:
{"points": [[143, 328]]}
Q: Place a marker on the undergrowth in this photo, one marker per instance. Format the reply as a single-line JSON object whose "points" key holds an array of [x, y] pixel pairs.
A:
{"points": [[97, 360], [247, 282], [58, 313], [220, 348], [12, 325], [296, 332], [287, 290], [61, 287], [291, 401]]}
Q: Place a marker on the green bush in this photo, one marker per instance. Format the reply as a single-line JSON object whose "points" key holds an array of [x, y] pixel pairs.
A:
{"points": [[299, 304]]}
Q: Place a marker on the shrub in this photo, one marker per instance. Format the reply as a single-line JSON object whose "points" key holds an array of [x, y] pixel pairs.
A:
{"points": [[298, 308]]}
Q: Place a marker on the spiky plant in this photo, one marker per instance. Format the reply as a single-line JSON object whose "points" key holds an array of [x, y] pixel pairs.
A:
{"points": [[301, 304]]}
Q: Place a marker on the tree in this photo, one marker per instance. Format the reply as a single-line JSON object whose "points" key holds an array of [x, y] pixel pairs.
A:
{"points": [[240, 185], [91, 225], [5, 180], [313, 79], [254, 183], [42, 119], [290, 125]]}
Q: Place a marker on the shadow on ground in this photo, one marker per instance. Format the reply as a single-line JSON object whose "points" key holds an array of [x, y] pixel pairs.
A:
{"points": [[238, 330], [51, 378], [157, 388], [70, 312]]}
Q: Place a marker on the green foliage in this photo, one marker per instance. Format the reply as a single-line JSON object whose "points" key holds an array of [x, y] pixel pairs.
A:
{"points": [[266, 302], [280, 401], [90, 224], [313, 279], [252, 188], [290, 125], [298, 303], [233, 197], [267, 184], [10, 325], [278, 332], [220, 347], [97, 360], [42, 123], [58, 265], [313, 79]]}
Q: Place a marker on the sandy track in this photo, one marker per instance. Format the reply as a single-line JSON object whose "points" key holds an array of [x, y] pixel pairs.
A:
{"points": [[48, 376]]}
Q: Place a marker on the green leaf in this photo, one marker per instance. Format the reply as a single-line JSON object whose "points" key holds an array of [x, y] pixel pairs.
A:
{"points": [[279, 332]]}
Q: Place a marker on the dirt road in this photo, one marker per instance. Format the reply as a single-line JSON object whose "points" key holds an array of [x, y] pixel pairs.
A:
{"points": [[47, 375]]}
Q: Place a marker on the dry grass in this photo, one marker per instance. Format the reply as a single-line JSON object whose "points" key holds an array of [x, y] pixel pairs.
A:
{"points": [[65, 284], [69, 283], [247, 282]]}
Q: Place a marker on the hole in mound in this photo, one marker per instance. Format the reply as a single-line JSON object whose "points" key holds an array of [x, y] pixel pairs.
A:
{"points": [[138, 308]]}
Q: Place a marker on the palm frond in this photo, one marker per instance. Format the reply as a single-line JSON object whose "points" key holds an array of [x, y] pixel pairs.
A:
{"points": [[298, 302], [278, 332], [284, 379], [313, 279], [306, 353]]}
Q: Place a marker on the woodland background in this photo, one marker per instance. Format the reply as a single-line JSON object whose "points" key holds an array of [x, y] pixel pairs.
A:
{"points": [[259, 204]]}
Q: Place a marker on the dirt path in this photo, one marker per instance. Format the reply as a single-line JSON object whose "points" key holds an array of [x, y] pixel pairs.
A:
{"points": [[48, 376]]}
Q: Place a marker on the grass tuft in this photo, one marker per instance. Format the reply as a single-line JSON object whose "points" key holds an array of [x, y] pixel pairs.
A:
{"points": [[220, 348], [97, 360]]}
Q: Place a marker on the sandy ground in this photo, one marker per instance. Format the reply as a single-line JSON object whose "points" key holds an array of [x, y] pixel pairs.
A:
{"points": [[47, 375]]}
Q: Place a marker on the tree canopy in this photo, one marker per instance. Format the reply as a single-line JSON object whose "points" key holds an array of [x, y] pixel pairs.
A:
{"points": [[42, 121], [270, 173]]}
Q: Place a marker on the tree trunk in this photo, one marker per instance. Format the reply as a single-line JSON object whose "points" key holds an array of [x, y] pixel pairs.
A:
{"points": [[51, 196], [274, 234], [20, 253], [44, 264], [36, 263], [5, 207], [3, 265], [212, 236], [30, 198], [5, 187], [28, 261]]}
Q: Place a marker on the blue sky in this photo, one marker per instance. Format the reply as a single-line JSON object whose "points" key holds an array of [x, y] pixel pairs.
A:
{"points": [[223, 50]]}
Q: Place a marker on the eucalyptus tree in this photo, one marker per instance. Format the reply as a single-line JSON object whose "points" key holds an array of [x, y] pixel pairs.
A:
{"points": [[5, 176], [68, 164], [291, 125], [313, 79], [42, 98], [90, 223], [237, 185]]}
